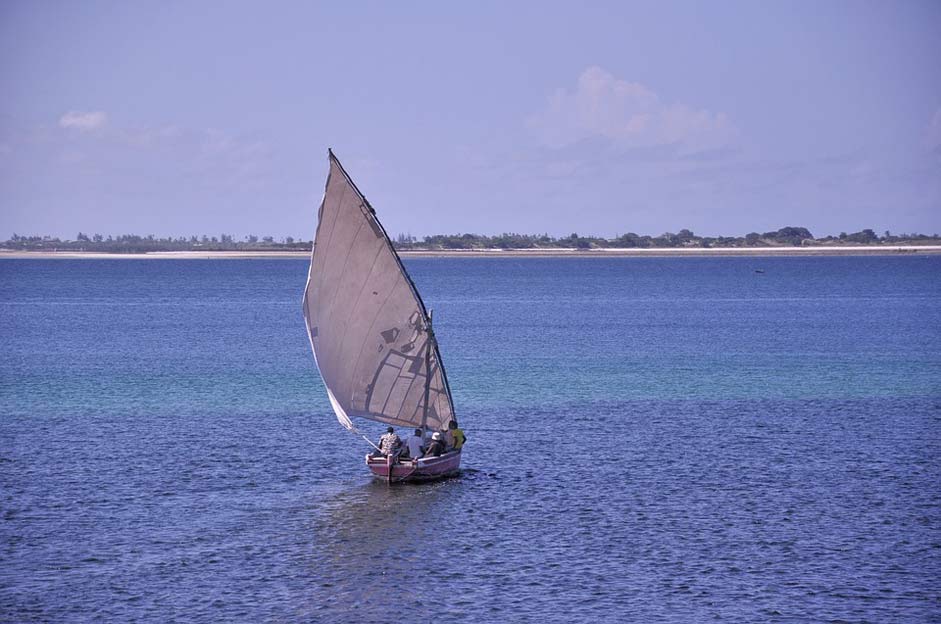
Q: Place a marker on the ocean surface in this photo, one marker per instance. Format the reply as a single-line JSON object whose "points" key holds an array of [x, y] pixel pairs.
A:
{"points": [[650, 440]]}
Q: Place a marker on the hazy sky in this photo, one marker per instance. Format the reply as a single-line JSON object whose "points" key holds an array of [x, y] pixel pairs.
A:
{"points": [[179, 118]]}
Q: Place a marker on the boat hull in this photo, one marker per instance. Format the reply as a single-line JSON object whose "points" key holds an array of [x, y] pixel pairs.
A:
{"points": [[409, 470]]}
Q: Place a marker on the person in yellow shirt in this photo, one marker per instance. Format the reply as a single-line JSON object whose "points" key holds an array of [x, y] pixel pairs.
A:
{"points": [[457, 435]]}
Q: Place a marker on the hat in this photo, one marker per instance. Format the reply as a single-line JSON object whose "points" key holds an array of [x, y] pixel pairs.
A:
{"points": [[436, 435]]}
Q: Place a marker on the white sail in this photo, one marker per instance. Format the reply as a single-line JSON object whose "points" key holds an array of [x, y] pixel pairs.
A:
{"points": [[368, 327]]}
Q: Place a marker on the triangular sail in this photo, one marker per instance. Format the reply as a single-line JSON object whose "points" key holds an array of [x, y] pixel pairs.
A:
{"points": [[367, 324]]}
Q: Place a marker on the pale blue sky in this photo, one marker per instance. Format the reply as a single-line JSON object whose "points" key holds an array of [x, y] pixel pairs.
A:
{"points": [[178, 118]]}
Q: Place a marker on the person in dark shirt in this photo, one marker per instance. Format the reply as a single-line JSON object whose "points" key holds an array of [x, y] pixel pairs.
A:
{"points": [[435, 447]]}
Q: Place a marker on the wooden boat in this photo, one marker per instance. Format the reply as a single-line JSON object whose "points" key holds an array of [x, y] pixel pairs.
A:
{"points": [[422, 469], [370, 332]]}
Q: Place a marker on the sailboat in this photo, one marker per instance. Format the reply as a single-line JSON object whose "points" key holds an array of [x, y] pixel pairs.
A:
{"points": [[370, 332]]}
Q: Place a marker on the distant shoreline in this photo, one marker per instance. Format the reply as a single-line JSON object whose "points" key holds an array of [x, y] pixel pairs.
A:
{"points": [[873, 250]]}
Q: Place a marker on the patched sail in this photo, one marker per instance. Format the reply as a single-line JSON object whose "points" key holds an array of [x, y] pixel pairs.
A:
{"points": [[368, 327]]}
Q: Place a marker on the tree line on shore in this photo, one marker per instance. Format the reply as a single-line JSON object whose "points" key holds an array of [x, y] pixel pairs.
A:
{"points": [[786, 236]]}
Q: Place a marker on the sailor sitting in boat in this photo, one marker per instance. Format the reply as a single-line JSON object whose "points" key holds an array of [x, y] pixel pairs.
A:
{"points": [[447, 437], [389, 444], [453, 437], [415, 445], [436, 447], [457, 434]]}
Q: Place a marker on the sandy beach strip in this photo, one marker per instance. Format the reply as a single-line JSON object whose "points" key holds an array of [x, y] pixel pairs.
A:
{"points": [[680, 252], [871, 250]]}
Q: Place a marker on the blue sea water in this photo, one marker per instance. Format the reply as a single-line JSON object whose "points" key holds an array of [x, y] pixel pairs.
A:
{"points": [[650, 440]]}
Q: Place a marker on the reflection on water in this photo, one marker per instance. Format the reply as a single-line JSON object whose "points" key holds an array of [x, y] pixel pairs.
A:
{"points": [[371, 544]]}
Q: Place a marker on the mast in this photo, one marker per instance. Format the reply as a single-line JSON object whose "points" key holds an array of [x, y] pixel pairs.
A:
{"points": [[431, 338]]}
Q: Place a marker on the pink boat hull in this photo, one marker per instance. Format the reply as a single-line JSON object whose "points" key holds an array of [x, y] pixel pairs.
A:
{"points": [[425, 469]]}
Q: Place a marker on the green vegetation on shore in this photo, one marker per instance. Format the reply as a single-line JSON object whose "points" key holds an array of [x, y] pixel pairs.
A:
{"points": [[784, 237]]}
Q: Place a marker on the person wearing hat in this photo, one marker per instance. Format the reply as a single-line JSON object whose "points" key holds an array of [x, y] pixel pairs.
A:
{"points": [[435, 447]]}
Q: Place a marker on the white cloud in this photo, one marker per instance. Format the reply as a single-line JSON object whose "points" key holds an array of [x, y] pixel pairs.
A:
{"points": [[933, 136], [84, 121], [629, 114]]}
